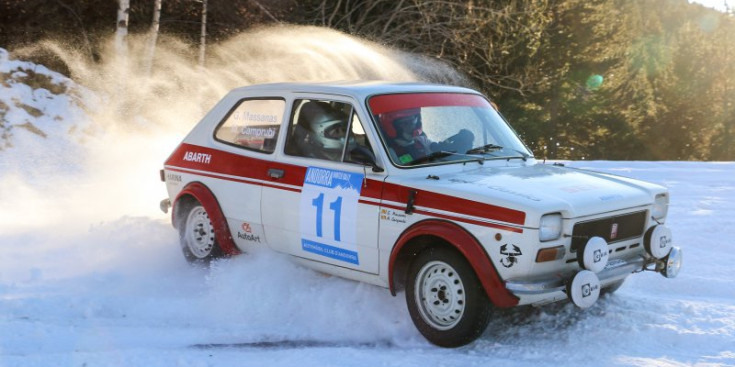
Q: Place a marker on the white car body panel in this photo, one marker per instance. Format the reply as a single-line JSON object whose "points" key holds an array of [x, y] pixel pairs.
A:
{"points": [[264, 212]]}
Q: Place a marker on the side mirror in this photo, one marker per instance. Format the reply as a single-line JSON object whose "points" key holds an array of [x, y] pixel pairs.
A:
{"points": [[363, 155]]}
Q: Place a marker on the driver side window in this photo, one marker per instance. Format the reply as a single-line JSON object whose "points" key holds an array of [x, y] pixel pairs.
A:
{"points": [[359, 150], [327, 130]]}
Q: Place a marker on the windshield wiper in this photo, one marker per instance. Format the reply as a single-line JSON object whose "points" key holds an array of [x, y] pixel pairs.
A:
{"points": [[484, 149], [444, 153], [431, 157], [493, 147], [523, 156]]}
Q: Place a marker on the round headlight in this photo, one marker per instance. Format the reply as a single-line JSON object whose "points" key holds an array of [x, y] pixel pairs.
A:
{"points": [[550, 227]]}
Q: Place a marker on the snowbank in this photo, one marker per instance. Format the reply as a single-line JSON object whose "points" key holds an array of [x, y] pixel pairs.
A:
{"points": [[36, 102]]}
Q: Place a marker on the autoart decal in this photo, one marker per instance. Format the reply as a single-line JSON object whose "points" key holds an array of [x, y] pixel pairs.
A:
{"points": [[329, 213], [246, 233]]}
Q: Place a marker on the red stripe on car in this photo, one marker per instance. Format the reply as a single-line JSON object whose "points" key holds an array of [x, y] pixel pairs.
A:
{"points": [[212, 162], [428, 199], [385, 103]]}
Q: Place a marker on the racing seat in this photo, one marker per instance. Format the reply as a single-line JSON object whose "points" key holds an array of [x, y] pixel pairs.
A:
{"points": [[300, 142]]}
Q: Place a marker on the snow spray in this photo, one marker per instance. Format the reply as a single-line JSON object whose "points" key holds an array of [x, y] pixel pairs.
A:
{"points": [[79, 204], [136, 113]]}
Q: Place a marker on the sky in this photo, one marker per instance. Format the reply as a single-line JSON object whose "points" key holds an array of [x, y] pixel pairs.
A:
{"points": [[716, 4]]}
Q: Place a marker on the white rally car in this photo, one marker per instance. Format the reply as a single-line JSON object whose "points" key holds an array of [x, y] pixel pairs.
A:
{"points": [[416, 187]]}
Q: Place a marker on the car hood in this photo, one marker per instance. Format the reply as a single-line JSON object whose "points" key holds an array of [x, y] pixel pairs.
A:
{"points": [[539, 189]]}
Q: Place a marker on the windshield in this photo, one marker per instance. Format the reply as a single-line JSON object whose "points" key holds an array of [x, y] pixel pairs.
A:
{"points": [[437, 128]]}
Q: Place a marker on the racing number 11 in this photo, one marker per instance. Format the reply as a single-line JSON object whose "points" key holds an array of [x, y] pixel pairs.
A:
{"points": [[336, 206]]}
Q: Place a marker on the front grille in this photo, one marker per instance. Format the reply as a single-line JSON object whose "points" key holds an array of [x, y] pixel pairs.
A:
{"points": [[612, 229]]}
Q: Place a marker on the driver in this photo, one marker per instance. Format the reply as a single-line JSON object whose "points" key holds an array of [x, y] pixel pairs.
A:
{"points": [[410, 142], [321, 131]]}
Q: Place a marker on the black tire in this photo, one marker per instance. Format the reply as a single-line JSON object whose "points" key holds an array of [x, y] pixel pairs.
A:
{"points": [[446, 301], [197, 235]]}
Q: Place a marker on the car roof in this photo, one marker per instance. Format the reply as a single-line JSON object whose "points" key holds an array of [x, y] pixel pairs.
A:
{"points": [[359, 89]]}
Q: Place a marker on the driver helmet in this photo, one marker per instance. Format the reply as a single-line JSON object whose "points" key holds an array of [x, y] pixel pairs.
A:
{"points": [[328, 125], [394, 122]]}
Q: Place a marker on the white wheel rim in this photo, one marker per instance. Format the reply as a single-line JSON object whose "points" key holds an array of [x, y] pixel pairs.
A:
{"points": [[199, 233], [440, 295]]}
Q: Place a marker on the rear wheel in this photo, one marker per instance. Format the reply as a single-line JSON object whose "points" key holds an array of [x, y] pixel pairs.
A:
{"points": [[445, 299], [198, 239]]}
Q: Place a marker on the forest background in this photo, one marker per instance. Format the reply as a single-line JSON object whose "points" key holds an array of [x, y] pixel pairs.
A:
{"points": [[578, 79]]}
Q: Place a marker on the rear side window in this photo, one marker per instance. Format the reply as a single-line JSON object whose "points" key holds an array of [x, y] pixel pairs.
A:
{"points": [[253, 124]]}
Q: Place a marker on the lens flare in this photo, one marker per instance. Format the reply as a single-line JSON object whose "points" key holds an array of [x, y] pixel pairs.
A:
{"points": [[594, 82]]}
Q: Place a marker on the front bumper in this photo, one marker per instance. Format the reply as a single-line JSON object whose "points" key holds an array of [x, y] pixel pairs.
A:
{"points": [[547, 289], [550, 289]]}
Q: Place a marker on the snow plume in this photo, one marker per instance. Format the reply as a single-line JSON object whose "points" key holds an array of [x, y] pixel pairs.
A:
{"points": [[79, 182], [80, 226], [176, 91], [128, 116]]}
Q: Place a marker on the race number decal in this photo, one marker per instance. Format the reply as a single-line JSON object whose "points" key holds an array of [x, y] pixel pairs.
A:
{"points": [[329, 213]]}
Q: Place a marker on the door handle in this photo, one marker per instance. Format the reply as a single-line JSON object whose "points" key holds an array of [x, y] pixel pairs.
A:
{"points": [[275, 173]]}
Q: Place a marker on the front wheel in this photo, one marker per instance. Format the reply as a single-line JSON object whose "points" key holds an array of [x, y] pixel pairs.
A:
{"points": [[198, 239], [445, 299]]}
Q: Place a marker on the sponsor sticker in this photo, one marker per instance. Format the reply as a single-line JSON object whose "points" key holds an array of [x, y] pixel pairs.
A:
{"points": [[268, 133], [258, 117], [393, 216], [489, 183], [172, 177], [328, 211], [614, 231], [197, 157], [511, 255], [664, 241], [597, 256], [611, 197], [578, 188], [246, 233], [588, 288]]}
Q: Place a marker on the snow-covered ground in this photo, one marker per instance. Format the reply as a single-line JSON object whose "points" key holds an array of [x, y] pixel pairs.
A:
{"points": [[91, 275], [118, 292]]}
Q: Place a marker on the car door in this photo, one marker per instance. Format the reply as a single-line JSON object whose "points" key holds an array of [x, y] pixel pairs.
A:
{"points": [[322, 203], [245, 141]]}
